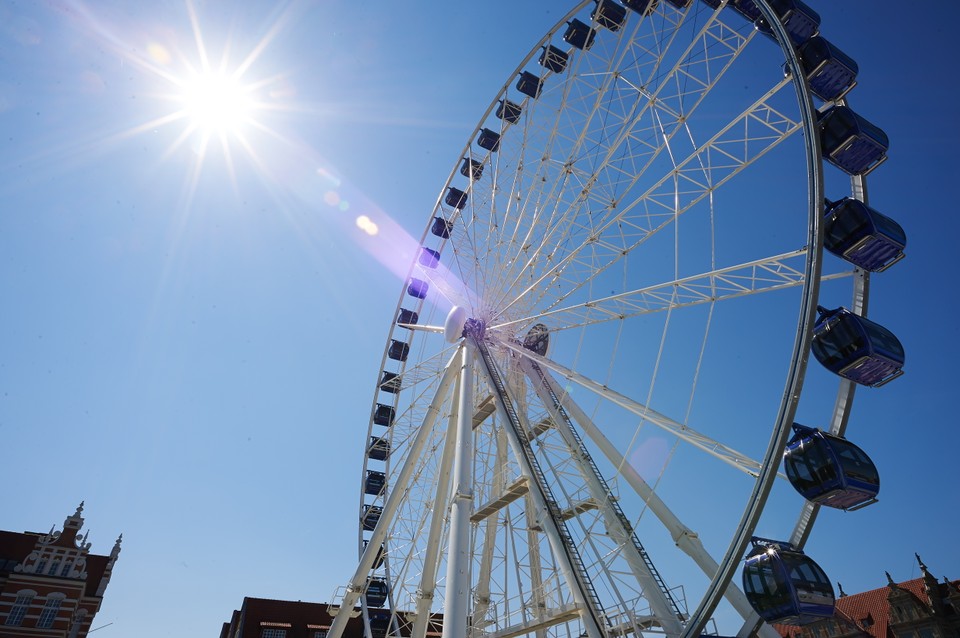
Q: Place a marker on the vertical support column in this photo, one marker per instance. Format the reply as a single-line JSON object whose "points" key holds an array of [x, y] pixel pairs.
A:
{"points": [[459, 555]]}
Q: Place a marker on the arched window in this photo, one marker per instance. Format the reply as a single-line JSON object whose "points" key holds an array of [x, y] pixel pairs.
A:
{"points": [[50, 610], [20, 607]]}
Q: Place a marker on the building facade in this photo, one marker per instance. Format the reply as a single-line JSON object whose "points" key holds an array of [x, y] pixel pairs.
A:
{"points": [[920, 608], [265, 618], [51, 586]]}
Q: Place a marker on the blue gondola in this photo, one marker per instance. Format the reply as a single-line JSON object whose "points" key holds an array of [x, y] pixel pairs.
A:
{"points": [[800, 21], [417, 288], [370, 517], [390, 382], [784, 585], [530, 85], [537, 339], [609, 15], [509, 111], [398, 350], [378, 449], [579, 34], [643, 7], [830, 470], [383, 415], [830, 72], [471, 168], [377, 591], [747, 8], [850, 142], [862, 236], [856, 348], [378, 559], [379, 623], [489, 140], [441, 227], [374, 483], [553, 59], [429, 258], [407, 316], [713, 4], [456, 198]]}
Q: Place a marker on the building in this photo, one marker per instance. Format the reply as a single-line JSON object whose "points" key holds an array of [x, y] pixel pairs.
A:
{"points": [[918, 608], [265, 618], [51, 586]]}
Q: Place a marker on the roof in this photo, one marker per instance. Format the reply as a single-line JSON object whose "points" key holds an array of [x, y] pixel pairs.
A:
{"points": [[870, 610], [16, 546]]}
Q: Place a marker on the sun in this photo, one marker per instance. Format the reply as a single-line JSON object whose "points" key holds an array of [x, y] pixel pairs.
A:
{"points": [[216, 102]]}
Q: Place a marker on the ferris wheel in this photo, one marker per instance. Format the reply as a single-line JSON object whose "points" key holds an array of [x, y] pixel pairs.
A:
{"points": [[598, 354]]}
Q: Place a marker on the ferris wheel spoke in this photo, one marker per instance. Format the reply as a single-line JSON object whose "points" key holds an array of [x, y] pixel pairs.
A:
{"points": [[428, 577], [631, 147], [396, 496], [664, 607], [685, 538], [756, 277], [714, 46], [716, 449], [739, 144]]}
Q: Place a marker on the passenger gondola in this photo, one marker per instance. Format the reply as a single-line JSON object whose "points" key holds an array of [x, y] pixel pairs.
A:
{"points": [[374, 483], [378, 449], [862, 236], [537, 339], [850, 142], [856, 348], [417, 288], [553, 59], [609, 15], [579, 34], [370, 517], [785, 586], [377, 591], [379, 623], [830, 470], [510, 112], [800, 21], [530, 85], [830, 72], [643, 7], [378, 559], [383, 415], [441, 227]]}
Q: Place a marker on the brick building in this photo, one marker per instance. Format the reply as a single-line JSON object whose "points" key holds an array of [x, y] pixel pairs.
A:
{"points": [[265, 618], [51, 586], [918, 608]]}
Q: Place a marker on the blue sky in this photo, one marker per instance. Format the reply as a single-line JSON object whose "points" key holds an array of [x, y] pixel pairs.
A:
{"points": [[190, 335]]}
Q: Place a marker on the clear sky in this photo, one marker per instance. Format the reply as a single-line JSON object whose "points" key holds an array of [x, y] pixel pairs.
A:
{"points": [[190, 332]]}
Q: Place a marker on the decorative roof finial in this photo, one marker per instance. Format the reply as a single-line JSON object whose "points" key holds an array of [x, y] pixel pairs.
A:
{"points": [[920, 562], [79, 509], [890, 582], [116, 547], [840, 587]]}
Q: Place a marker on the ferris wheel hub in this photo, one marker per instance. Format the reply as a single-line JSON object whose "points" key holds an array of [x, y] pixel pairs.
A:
{"points": [[453, 326]]}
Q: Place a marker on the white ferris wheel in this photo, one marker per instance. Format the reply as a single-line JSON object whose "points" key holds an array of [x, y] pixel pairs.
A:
{"points": [[601, 346]]}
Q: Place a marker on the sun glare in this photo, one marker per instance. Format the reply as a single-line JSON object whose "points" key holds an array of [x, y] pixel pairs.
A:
{"points": [[216, 102]]}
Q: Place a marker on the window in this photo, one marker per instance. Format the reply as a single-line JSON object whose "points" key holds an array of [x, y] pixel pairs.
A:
{"points": [[322, 633], [49, 612], [273, 633], [54, 568], [19, 609], [66, 569]]}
